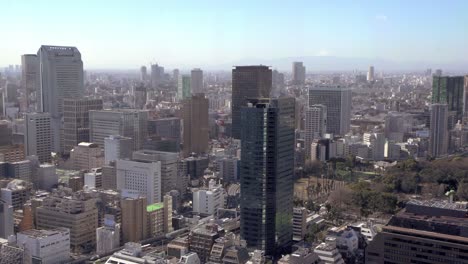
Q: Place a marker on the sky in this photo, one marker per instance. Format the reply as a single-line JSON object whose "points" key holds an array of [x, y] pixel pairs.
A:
{"points": [[176, 33]]}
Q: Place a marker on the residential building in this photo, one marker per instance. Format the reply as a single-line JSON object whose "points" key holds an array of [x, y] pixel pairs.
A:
{"points": [[299, 224]]}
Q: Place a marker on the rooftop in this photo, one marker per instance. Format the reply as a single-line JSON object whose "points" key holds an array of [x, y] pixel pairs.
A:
{"points": [[36, 233], [154, 207]]}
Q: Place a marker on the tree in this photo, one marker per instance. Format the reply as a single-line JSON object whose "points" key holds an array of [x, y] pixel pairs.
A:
{"points": [[311, 234]]}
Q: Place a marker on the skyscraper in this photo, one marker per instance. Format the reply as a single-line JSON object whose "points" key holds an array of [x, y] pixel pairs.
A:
{"points": [[127, 123], [37, 137], [61, 76], [157, 74], [370, 74], [183, 87], [196, 81], [139, 96], [438, 133], [465, 100], [6, 219], [337, 99], [266, 172], [30, 76], [247, 82], [449, 90], [195, 125], [143, 74], [315, 125], [298, 73], [76, 121], [117, 147]]}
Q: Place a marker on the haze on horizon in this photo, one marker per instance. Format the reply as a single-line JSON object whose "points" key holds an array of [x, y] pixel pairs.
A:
{"points": [[127, 34]]}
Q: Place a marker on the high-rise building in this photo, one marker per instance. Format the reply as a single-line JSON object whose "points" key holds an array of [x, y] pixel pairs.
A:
{"points": [[248, 82], [139, 96], [376, 144], [169, 162], [315, 125], [196, 81], [49, 246], [195, 124], [127, 123], [266, 173], [438, 132], [143, 74], [183, 87], [168, 128], [6, 219], [143, 177], [76, 121], [465, 100], [298, 73], [371, 74], [37, 140], [277, 83], [117, 147], [157, 74], [134, 221], [449, 90], [76, 211], [337, 99], [175, 75], [86, 156], [61, 76], [208, 201], [30, 77]]}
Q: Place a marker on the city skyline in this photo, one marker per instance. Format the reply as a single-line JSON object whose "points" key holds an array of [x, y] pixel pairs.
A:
{"points": [[210, 35]]}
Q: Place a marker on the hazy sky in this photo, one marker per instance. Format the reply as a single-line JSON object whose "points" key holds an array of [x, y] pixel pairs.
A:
{"points": [[126, 34]]}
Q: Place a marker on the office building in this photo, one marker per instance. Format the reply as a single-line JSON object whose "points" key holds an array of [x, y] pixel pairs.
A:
{"points": [[371, 74], [141, 176], [157, 74], [30, 77], [195, 125], [134, 219], [47, 178], [20, 170], [143, 74], [228, 169], [247, 82], [376, 144], [16, 193], [202, 238], [465, 101], [449, 90], [61, 76], [76, 211], [76, 121], [169, 162], [139, 96], [86, 156], [337, 99], [196, 81], [424, 232], [267, 145], [438, 131], [175, 75], [37, 139], [183, 87], [49, 246], [208, 201], [167, 128], [315, 125], [127, 123], [298, 73], [117, 147], [109, 176], [6, 219], [93, 178]]}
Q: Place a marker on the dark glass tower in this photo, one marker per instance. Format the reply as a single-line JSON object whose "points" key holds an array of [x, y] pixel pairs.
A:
{"points": [[267, 167], [248, 82], [449, 90]]}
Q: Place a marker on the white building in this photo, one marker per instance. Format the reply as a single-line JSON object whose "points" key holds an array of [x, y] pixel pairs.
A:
{"points": [[51, 246], [169, 163], [117, 147], [337, 99], [206, 202], [315, 125], [196, 81], [371, 74], [61, 76], [299, 224], [37, 139], [6, 219], [86, 156], [376, 143], [328, 253], [107, 236], [189, 258], [144, 177]]}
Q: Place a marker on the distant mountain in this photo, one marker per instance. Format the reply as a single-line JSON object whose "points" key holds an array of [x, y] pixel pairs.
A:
{"points": [[331, 64]]}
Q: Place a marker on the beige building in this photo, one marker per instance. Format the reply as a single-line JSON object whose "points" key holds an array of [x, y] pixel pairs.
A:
{"points": [[134, 219], [76, 211], [195, 125], [86, 156]]}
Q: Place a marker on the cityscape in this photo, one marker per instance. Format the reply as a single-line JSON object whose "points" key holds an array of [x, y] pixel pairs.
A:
{"points": [[330, 159]]}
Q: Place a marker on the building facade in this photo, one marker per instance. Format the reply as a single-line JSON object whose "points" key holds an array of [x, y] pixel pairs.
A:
{"points": [[195, 125], [38, 136]]}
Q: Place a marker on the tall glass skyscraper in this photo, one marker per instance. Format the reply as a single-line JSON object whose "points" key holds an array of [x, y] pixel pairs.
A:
{"points": [[449, 90], [266, 172]]}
